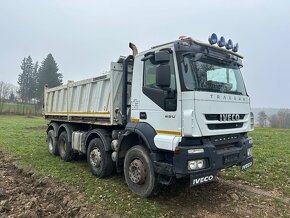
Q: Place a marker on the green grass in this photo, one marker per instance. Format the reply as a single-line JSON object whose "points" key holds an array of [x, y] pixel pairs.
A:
{"points": [[17, 108], [271, 169], [24, 138]]}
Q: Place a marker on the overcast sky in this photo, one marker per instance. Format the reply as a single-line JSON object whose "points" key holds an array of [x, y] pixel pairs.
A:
{"points": [[85, 36]]}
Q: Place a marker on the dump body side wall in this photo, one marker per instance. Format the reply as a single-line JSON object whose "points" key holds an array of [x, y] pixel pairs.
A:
{"points": [[95, 101]]}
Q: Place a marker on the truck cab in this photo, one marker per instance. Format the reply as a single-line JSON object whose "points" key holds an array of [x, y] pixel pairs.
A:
{"points": [[193, 96]]}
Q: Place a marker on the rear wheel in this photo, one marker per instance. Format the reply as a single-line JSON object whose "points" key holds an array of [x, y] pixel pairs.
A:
{"points": [[99, 160], [52, 143], [139, 172], [64, 147]]}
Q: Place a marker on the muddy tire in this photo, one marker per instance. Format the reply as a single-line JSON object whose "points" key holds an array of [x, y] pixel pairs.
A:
{"points": [[52, 143], [139, 172], [100, 161], [64, 147]]}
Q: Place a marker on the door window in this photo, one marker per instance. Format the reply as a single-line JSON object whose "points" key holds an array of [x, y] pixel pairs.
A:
{"points": [[164, 98]]}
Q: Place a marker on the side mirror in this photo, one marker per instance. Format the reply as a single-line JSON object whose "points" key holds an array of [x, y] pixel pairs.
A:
{"points": [[161, 57], [163, 76]]}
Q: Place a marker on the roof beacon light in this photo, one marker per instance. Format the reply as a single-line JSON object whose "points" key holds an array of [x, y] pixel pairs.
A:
{"points": [[229, 44], [236, 47], [212, 39], [222, 42]]}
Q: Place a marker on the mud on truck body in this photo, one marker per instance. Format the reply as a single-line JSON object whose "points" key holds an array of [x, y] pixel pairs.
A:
{"points": [[179, 109]]}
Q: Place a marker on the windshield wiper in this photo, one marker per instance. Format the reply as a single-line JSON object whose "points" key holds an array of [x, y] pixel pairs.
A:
{"points": [[207, 89], [218, 90], [234, 92]]}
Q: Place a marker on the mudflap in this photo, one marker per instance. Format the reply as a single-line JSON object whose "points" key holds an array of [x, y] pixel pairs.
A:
{"points": [[202, 178], [246, 164]]}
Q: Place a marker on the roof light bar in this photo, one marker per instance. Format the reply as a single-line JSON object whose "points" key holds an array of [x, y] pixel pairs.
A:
{"points": [[213, 39], [229, 45]]}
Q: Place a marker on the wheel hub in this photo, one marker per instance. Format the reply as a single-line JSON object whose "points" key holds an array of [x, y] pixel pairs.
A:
{"points": [[137, 172], [96, 157]]}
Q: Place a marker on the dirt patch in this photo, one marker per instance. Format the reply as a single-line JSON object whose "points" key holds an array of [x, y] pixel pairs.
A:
{"points": [[23, 194], [222, 199], [272, 194]]}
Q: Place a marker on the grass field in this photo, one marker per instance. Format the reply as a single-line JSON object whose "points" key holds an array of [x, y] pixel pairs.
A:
{"points": [[271, 168], [24, 138], [17, 108]]}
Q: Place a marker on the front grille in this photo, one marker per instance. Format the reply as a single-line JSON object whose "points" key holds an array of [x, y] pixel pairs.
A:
{"points": [[224, 126], [217, 116], [225, 139]]}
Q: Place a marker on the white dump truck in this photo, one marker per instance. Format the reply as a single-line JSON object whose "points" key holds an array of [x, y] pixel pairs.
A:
{"points": [[179, 109]]}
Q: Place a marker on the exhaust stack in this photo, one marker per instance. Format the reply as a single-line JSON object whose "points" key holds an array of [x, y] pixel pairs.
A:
{"points": [[134, 49]]}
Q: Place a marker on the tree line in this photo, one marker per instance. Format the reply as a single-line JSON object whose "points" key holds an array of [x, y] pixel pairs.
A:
{"points": [[279, 120], [33, 78]]}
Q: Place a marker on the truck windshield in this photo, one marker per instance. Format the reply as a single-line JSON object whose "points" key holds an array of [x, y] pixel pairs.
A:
{"points": [[211, 75]]}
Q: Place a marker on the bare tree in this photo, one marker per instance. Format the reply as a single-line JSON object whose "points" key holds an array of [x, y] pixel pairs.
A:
{"points": [[274, 121], [262, 119], [283, 116], [281, 119], [4, 93]]}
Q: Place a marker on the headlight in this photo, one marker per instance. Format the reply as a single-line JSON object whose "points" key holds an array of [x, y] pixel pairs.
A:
{"points": [[196, 164], [249, 152]]}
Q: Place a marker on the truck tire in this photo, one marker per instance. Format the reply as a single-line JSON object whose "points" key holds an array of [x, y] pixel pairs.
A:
{"points": [[99, 160], [64, 147], [52, 143], [139, 172]]}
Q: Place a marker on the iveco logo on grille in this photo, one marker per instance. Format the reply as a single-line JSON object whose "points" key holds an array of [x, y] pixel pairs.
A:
{"points": [[229, 117]]}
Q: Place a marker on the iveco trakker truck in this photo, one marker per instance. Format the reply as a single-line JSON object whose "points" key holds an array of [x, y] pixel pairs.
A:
{"points": [[179, 109]]}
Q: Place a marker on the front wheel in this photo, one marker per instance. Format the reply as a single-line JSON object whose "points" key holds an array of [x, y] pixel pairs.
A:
{"points": [[139, 172], [99, 160]]}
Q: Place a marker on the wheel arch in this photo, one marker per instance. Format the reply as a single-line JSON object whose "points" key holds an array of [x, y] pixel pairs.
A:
{"points": [[97, 133], [135, 134], [53, 126], [68, 128], [144, 131]]}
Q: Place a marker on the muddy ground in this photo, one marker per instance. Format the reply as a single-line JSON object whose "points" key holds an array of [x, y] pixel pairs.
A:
{"points": [[23, 194]]}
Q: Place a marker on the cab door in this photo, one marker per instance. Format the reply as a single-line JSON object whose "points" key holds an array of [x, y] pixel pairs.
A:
{"points": [[159, 106]]}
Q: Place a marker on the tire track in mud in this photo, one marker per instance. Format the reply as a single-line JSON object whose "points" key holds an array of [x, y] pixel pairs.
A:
{"points": [[270, 194], [23, 194]]}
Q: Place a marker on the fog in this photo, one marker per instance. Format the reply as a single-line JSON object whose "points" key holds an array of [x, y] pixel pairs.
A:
{"points": [[85, 36]]}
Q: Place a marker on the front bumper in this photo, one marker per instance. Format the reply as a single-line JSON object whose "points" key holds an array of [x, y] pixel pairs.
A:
{"points": [[217, 155]]}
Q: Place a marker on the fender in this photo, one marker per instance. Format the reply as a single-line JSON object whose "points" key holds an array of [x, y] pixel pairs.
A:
{"points": [[68, 128], [55, 127], [103, 135], [144, 130]]}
